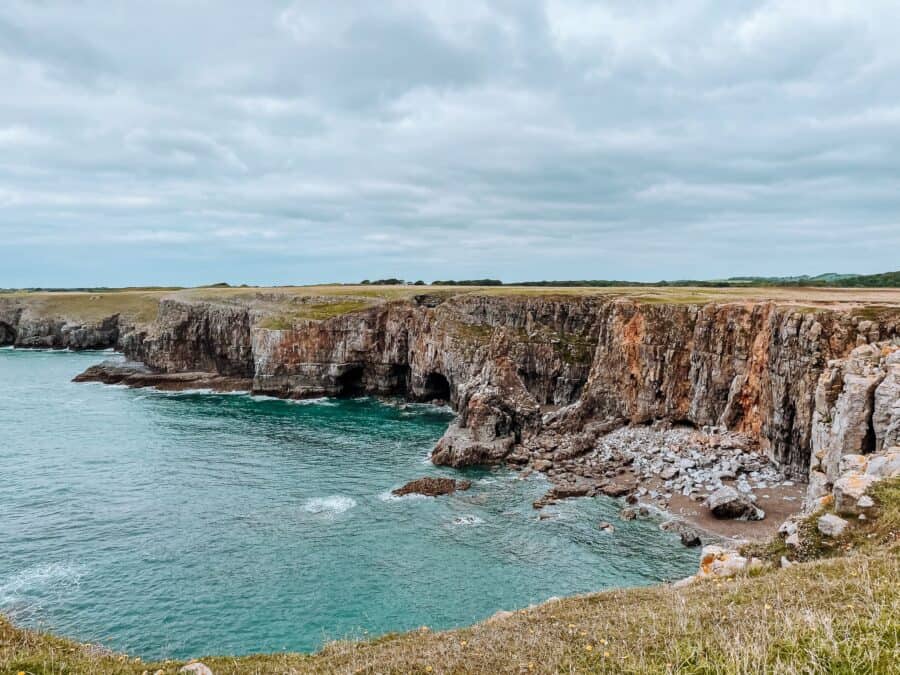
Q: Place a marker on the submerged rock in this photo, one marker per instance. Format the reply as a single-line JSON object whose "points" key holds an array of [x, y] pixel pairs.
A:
{"points": [[432, 487]]}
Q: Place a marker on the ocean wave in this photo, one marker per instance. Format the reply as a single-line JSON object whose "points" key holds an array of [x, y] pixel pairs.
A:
{"points": [[39, 579], [467, 520], [319, 400], [329, 505], [391, 497]]}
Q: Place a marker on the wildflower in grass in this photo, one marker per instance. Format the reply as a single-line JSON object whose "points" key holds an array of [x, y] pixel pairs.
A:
{"points": [[588, 648]]}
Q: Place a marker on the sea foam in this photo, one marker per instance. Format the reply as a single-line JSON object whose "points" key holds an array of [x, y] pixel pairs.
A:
{"points": [[329, 505], [38, 579]]}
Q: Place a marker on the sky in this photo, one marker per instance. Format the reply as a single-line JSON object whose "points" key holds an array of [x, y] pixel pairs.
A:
{"points": [[186, 142]]}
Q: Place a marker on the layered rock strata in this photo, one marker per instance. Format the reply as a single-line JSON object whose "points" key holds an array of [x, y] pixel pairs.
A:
{"points": [[547, 374], [22, 326]]}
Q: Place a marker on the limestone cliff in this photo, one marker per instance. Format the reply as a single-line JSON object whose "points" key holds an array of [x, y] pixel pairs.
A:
{"points": [[23, 325], [517, 366]]}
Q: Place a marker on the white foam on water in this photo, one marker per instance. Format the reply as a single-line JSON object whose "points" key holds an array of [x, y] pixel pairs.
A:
{"points": [[391, 497], [319, 400], [467, 520], [40, 578], [329, 505]]}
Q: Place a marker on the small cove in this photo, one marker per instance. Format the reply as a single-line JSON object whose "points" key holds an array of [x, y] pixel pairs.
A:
{"points": [[175, 525]]}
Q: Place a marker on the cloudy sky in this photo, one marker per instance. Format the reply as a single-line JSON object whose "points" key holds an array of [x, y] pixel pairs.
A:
{"points": [[187, 142]]}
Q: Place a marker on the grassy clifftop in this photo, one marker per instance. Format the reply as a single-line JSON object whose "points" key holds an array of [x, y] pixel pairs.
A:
{"points": [[838, 614], [279, 306]]}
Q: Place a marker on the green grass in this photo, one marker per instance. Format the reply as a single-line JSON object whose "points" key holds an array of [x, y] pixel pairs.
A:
{"points": [[317, 312], [139, 305]]}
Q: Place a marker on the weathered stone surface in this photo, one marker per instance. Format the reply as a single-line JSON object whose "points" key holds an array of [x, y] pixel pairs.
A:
{"points": [[716, 561], [884, 464], [196, 668], [690, 536], [432, 487], [23, 325], [886, 415], [849, 489], [831, 525], [726, 502], [844, 408], [749, 367]]}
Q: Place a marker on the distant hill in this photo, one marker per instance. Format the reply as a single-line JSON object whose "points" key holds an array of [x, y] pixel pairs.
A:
{"points": [[830, 279]]}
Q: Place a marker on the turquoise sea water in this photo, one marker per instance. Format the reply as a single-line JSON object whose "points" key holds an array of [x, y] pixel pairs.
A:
{"points": [[175, 525]]}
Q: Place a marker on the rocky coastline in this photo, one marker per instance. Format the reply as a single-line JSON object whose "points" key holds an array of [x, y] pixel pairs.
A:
{"points": [[669, 405]]}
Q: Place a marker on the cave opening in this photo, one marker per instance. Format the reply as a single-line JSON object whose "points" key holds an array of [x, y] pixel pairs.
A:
{"points": [[436, 387], [7, 334], [351, 382]]}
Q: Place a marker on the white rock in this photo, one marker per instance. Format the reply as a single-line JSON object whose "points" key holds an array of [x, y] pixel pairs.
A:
{"points": [[849, 489], [721, 562], [197, 668], [865, 502], [884, 465], [831, 525]]}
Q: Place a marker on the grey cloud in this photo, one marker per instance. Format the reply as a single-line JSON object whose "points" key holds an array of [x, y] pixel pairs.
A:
{"points": [[279, 142]]}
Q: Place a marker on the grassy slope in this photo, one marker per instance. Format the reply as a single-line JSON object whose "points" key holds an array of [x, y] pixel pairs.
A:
{"points": [[840, 614]]}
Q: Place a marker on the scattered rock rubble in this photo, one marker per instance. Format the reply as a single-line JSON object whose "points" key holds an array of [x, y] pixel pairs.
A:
{"points": [[651, 464]]}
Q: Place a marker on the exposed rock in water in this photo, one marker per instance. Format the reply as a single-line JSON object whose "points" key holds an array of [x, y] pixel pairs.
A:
{"points": [[690, 535], [432, 487], [726, 502], [138, 375], [633, 512]]}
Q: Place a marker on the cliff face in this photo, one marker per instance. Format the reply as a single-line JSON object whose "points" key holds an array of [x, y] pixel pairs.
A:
{"points": [[22, 326], [515, 367]]}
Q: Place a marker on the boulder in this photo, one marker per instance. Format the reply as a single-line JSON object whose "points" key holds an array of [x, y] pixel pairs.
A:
{"points": [[690, 535], [632, 512], [615, 489], [726, 502], [849, 489], [197, 668], [606, 527], [831, 525], [884, 464], [716, 561], [432, 487]]}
